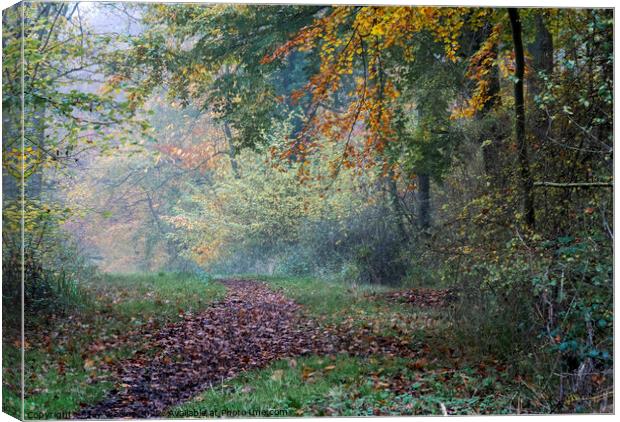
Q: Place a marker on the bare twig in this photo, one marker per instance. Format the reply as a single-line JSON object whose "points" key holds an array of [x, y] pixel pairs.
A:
{"points": [[575, 185]]}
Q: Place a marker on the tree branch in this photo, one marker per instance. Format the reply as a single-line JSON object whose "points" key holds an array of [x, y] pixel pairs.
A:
{"points": [[575, 185]]}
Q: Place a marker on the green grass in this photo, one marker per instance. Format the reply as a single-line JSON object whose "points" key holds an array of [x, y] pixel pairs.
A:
{"points": [[11, 381], [355, 386], [151, 295], [323, 297], [347, 386], [65, 353], [355, 304]]}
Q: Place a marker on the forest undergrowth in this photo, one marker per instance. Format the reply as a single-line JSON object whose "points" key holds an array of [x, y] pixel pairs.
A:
{"points": [[380, 355]]}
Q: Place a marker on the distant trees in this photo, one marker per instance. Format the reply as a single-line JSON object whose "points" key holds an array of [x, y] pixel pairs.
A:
{"points": [[56, 110]]}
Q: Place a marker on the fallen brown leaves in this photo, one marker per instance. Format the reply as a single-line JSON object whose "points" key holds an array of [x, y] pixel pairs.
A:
{"points": [[249, 329], [423, 297]]}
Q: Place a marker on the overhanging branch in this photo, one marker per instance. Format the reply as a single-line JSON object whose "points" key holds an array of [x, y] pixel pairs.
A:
{"points": [[575, 185]]}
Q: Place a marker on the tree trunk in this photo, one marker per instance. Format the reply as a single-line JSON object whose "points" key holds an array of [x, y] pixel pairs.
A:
{"points": [[491, 152], [542, 61], [524, 167], [424, 198], [542, 51], [231, 150], [397, 208]]}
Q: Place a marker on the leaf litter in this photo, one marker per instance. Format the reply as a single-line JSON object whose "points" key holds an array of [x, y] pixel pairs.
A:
{"points": [[252, 327]]}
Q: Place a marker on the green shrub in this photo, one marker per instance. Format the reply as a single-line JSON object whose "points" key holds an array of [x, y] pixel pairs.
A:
{"points": [[546, 307]]}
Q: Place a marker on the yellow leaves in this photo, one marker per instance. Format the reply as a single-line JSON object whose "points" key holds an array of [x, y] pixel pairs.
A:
{"points": [[263, 203], [378, 30], [89, 364], [479, 70], [307, 373], [277, 375], [381, 385], [34, 215], [342, 39], [201, 157], [17, 343], [111, 84], [20, 162]]}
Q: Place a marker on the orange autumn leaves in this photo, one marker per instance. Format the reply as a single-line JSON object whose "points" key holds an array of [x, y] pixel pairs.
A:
{"points": [[200, 157], [479, 70], [354, 45]]}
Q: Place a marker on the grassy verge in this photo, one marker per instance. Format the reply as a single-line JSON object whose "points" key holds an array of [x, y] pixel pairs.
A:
{"points": [[66, 354], [355, 305]]}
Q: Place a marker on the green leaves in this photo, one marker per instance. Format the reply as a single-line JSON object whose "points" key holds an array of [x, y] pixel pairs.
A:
{"points": [[63, 108]]}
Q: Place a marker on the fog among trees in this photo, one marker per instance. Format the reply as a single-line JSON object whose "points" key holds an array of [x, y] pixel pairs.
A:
{"points": [[375, 210]]}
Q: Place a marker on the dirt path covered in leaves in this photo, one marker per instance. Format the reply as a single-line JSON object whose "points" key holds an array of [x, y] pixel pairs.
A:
{"points": [[250, 328]]}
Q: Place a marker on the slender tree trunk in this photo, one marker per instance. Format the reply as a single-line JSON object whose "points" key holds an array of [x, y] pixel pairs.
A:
{"points": [[491, 152], [36, 124], [542, 51], [231, 150], [524, 167], [397, 208], [229, 140], [424, 198], [542, 61]]}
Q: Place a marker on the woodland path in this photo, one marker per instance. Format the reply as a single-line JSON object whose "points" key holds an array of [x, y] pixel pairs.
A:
{"points": [[250, 328]]}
